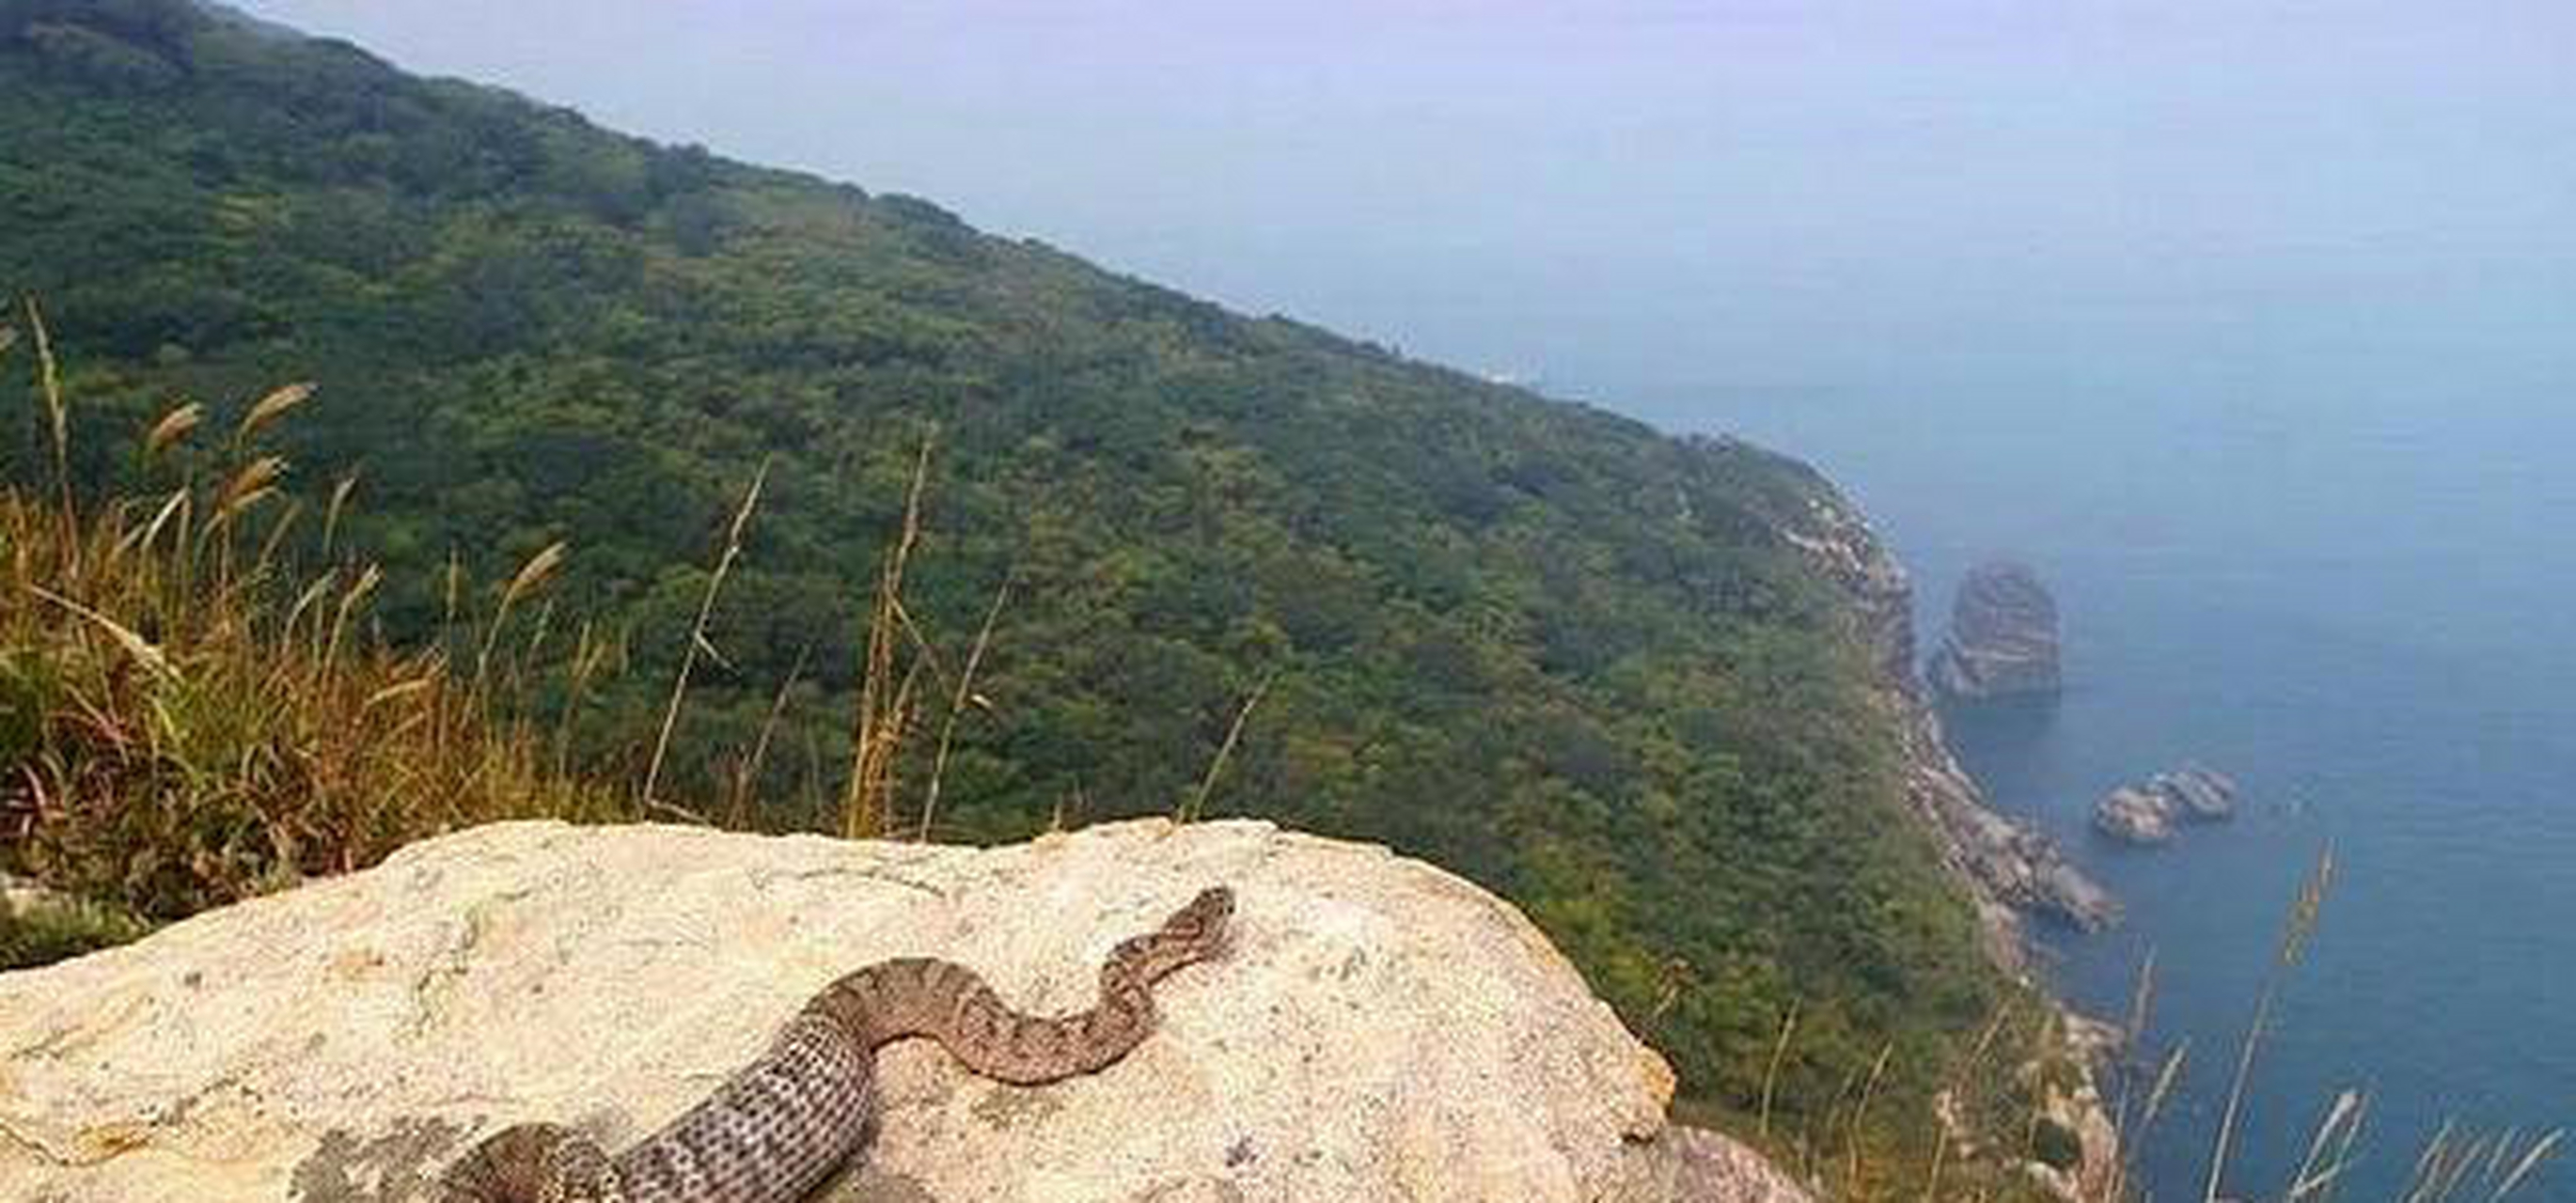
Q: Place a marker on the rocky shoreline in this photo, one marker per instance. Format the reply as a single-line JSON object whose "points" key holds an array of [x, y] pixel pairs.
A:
{"points": [[2011, 868]]}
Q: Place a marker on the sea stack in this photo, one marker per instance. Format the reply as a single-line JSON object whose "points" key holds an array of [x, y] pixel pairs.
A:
{"points": [[2003, 637]]}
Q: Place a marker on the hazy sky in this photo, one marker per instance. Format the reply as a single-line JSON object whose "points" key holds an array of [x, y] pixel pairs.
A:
{"points": [[1659, 196]]}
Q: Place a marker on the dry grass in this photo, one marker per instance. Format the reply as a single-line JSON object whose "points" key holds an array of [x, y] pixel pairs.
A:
{"points": [[887, 697], [187, 718], [698, 636], [901, 663], [195, 707], [1196, 808], [959, 701], [2295, 935]]}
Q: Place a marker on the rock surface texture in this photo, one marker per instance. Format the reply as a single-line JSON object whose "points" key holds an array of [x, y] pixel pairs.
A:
{"points": [[2150, 813], [2002, 640], [1377, 1029], [2134, 816]]}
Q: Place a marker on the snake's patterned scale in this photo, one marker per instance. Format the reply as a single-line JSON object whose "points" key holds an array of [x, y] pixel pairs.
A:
{"points": [[783, 1123]]}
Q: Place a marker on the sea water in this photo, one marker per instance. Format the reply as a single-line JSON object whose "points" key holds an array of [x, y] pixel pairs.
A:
{"points": [[2356, 594]]}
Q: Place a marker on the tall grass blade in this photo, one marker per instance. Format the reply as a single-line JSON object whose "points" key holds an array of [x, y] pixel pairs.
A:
{"points": [[698, 631], [532, 575], [1779, 1054], [2428, 1164], [1860, 1114], [268, 547], [2167, 1077], [173, 428], [2531, 1159], [359, 590], [884, 718], [57, 415], [267, 410], [140, 541], [1216, 765], [255, 482], [134, 645], [339, 505], [958, 700], [740, 808], [2304, 915], [2320, 1170]]}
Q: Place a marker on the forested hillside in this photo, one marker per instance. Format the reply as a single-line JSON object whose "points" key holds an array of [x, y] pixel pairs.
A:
{"points": [[1548, 647]]}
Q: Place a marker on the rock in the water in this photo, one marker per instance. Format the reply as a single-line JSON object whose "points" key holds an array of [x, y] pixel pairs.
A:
{"points": [[2003, 637], [2149, 813], [2199, 794], [2135, 816], [1378, 1028]]}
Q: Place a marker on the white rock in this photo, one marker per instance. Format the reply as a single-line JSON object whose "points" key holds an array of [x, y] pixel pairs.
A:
{"points": [[1379, 1029], [2135, 816]]}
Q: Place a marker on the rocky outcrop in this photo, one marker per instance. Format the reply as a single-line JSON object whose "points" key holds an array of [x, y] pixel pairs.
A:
{"points": [[2150, 813], [2003, 637], [2067, 1088], [2199, 794], [1700, 1166], [2009, 866], [2073, 1105], [2134, 816], [2013, 863], [1377, 1029]]}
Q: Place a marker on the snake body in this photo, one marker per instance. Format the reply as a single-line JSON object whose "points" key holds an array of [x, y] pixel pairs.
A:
{"points": [[780, 1125]]}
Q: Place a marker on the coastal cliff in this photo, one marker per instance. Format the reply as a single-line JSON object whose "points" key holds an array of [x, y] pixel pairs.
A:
{"points": [[2010, 867]]}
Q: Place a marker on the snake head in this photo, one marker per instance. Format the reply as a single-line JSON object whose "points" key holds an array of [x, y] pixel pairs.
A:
{"points": [[1194, 933], [1204, 919]]}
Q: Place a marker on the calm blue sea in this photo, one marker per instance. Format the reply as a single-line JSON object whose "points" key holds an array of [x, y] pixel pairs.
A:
{"points": [[2358, 596]]}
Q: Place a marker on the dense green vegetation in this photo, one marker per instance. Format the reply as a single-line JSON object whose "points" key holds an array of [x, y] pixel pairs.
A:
{"points": [[1546, 646]]}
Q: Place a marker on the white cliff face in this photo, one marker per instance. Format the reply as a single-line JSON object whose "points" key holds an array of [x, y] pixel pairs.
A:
{"points": [[1378, 1029]]}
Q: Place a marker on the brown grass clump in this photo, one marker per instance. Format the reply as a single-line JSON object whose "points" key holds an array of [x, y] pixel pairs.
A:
{"points": [[187, 718]]}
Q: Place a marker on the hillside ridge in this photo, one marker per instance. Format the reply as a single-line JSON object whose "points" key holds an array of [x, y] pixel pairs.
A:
{"points": [[1548, 647]]}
